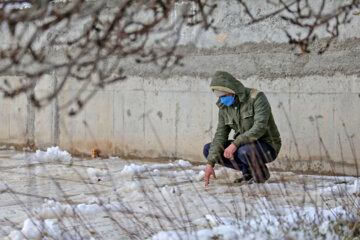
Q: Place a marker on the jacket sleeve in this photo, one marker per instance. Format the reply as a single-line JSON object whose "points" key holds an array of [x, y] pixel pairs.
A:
{"points": [[219, 141], [262, 112]]}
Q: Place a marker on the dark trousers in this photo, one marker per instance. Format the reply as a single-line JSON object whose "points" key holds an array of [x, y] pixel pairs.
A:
{"points": [[249, 158]]}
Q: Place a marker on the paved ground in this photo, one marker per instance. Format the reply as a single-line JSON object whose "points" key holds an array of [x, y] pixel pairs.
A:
{"points": [[117, 199]]}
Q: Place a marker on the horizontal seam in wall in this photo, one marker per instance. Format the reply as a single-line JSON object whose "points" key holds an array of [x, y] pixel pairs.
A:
{"points": [[184, 91]]}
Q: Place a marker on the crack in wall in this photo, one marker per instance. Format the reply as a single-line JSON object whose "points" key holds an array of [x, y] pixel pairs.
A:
{"points": [[30, 121], [56, 116]]}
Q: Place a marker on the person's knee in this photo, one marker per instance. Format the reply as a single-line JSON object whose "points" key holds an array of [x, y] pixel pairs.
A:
{"points": [[242, 153], [206, 149]]}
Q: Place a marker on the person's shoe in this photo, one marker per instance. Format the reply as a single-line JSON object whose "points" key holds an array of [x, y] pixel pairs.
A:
{"points": [[245, 178], [251, 181], [264, 179]]}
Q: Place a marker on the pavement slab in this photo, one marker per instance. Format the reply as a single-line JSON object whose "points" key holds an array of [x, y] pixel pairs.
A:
{"points": [[114, 198]]}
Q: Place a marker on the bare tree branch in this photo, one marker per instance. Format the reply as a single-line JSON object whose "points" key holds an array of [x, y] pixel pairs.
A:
{"points": [[95, 42], [93, 38]]}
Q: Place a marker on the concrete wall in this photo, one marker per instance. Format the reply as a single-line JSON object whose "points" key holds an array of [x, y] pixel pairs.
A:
{"points": [[315, 99]]}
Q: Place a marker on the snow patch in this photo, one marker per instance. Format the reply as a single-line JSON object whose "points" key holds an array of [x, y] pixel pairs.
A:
{"points": [[220, 173], [98, 200], [201, 175], [8, 7], [52, 154], [224, 232], [26, 149], [52, 209], [36, 229], [97, 175], [3, 187], [169, 192], [133, 191], [265, 225], [56, 210], [343, 189], [20, 156], [355, 188], [215, 221], [135, 169]]}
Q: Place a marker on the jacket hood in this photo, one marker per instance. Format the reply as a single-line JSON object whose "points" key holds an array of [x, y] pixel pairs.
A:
{"points": [[224, 81]]}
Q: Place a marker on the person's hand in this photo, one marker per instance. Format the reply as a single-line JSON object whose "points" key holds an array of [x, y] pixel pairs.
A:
{"points": [[229, 151], [209, 171]]}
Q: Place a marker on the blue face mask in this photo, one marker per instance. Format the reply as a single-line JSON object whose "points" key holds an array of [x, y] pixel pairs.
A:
{"points": [[228, 101]]}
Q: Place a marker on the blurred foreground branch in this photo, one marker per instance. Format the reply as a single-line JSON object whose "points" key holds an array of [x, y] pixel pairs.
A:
{"points": [[307, 19], [94, 38], [91, 44]]}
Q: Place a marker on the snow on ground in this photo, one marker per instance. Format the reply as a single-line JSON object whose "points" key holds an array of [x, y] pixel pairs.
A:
{"points": [[52, 154], [266, 227], [3, 187], [134, 169], [22, 5], [11, 6], [50, 195], [97, 175]]}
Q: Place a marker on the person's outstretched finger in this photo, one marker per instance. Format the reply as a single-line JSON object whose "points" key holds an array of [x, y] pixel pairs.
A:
{"points": [[207, 181], [209, 170]]}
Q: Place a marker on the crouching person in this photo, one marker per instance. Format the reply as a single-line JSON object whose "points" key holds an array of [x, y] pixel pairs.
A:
{"points": [[256, 140]]}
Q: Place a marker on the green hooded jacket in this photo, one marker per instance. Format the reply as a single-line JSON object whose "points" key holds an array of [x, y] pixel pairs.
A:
{"points": [[249, 116]]}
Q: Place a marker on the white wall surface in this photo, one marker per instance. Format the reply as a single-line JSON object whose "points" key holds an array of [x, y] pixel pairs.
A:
{"points": [[315, 99]]}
